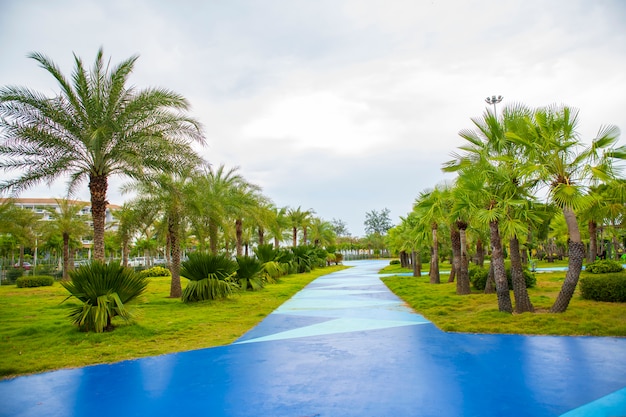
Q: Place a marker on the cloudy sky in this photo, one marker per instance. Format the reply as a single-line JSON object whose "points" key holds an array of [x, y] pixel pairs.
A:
{"points": [[340, 106]]}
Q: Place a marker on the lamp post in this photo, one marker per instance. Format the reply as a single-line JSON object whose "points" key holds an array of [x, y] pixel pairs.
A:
{"points": [[494, 100]]}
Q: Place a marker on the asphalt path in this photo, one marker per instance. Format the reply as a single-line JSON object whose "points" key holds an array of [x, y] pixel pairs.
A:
{"points": [[344, 346]]}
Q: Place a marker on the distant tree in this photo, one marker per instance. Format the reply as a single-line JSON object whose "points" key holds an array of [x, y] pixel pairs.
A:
{"points": [[340, 227], [377, 222]]}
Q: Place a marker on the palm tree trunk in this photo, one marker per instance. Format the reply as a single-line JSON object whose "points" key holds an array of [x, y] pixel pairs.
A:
{"points": [[455, 240], [98, 188], [239, 236], [434, 259], [593, 241], [213, 237], [499, 272], [416, 258], [462, 280], [522, 300], [173, 230], [295, 236], [480, 253], [261, 236], [490, 285], [66, 256], [574, 264]]}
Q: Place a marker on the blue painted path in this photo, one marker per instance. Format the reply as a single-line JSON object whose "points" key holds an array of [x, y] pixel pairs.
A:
{"points": [[344, 346]]}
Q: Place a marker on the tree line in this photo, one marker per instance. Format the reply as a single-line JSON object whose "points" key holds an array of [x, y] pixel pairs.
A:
{"points": [[527, 183]]}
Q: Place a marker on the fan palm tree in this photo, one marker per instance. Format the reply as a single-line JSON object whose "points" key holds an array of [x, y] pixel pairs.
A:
{"points": [[432, 207], [96, 127], [555, 153]]}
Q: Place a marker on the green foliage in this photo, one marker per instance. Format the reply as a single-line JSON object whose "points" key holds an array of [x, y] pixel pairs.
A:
{"points": [[105, 290], [303, 258], [603, 266], [266, 253], [249, 273], [478, 277], [155, 271], [210, 277], [14, 273], [34, 281], [607, 287], [394, 262]]}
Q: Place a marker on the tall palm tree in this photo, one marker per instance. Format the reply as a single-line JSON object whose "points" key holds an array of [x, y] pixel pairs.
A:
{"points": [[166, 194], [555, 153], [96, 127], [299, 218], [431, 207], [68, 223]]}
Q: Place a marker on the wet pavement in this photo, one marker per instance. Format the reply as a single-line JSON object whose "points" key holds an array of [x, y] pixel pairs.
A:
{"points": [[344, 346]]}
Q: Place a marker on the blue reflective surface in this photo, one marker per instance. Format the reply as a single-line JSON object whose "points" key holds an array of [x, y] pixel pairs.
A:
{"points": [[344, 346]]}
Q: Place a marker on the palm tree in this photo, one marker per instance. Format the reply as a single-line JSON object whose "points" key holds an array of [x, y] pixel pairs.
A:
{"points": [[555, 153], [431, 207], [166, 195], [20, 223], [68, 223], [96, 127], [219, 198], [299, 219]]}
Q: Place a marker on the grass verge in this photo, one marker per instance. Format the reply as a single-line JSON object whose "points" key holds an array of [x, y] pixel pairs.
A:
{"points": [[478, 312], [37, 336]]}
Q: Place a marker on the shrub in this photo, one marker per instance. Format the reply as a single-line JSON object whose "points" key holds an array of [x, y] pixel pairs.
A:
{"points": [[249, 273], [603, 266], [210, 277], [30, 281], [155, 271], [105, 291], [608, 287], [394, 262], [14, 273], [478, 277]]}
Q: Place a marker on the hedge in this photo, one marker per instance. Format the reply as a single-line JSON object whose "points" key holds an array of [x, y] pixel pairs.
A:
{"points": [[607, 287], [478, 277], [603, 266], [34, 281]]}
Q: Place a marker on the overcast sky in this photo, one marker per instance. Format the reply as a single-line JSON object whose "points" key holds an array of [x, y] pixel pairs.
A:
{"points": [[340, 106]]}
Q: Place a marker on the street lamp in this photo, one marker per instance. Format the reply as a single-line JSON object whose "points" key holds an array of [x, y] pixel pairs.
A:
{"points": [[494, 100]]}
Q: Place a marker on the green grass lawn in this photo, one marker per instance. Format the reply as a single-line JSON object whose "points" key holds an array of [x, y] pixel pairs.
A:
{"points": [[36, 335], [478, 312]]}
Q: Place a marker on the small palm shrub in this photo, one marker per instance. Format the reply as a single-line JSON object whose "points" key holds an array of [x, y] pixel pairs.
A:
{"points": [[606, 287], [603, 266], [210, 277], [249, 273], [266, 253], [155, 271], [273, 270], [30, 281], [105, 291]]}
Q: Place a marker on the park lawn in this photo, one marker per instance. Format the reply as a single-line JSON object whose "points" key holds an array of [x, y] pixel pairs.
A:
{"points": [[37, 336], [478, 312]]}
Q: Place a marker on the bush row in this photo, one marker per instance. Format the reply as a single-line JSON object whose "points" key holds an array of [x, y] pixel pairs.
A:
{"points": [[603, 266], [30, 281], [607, 287], [478, 277]]}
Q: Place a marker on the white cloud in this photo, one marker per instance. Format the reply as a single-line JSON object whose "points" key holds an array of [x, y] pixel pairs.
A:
{"points": [[341, 106]]}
